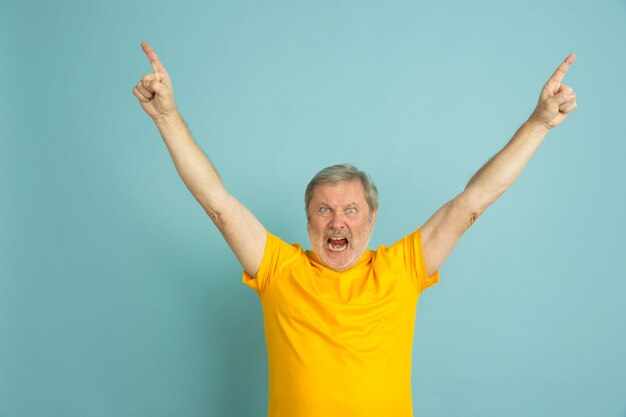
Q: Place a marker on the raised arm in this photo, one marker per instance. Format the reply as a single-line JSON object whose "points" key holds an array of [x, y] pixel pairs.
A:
{"points": [[444, 229], [243, 232]]}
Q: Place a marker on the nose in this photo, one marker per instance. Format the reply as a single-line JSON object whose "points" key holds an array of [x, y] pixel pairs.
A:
{"points": [[338, 221]]}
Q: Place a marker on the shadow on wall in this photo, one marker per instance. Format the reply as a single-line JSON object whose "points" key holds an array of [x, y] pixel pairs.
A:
{"points": [[241, 360], [223, 318]]}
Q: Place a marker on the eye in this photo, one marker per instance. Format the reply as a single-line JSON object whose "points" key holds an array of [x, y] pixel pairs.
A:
{"points": [[324, 210], [351, 210]]}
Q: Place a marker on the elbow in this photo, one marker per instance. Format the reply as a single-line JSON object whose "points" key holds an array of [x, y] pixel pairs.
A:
{"points": [[213, 214], [216, 206], [471, 206], [472, 219]]}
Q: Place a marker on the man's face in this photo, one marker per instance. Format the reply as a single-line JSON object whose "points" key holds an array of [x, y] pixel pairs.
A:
{"points": [[340, 226]]}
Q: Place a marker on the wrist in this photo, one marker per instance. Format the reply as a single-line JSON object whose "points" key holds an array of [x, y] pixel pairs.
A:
{"points": [[537, 125], [167, 120]]}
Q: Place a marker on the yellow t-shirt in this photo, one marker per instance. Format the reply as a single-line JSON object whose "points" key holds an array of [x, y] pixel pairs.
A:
{"points": [[339, 344]]}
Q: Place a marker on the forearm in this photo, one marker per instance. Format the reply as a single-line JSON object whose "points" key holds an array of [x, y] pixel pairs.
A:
{"points": [[193, 166], [497, 175]]}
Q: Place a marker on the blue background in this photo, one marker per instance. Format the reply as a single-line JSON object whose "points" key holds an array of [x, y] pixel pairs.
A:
{"points": [[118, 297]]}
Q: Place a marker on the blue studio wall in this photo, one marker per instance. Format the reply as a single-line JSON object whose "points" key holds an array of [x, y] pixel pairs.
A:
{"points": [[118, 296]]}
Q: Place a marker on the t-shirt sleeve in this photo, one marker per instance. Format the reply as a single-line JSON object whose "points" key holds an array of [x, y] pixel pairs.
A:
{"points": [[423, 278], [275, 256], [414, 258]]}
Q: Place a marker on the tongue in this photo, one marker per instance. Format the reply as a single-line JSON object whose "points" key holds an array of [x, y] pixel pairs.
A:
{"points": [[338, 243]]}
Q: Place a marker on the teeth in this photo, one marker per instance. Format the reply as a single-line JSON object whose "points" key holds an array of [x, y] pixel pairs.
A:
{"points": [[339, 249]]}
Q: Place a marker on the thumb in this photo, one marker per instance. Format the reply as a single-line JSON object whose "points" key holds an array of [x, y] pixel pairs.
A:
{"points": [[157, 87], [562, 97]]}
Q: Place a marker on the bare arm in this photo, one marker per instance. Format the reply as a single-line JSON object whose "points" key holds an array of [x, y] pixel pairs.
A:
{"points": [[242, 231], [444, 229]]}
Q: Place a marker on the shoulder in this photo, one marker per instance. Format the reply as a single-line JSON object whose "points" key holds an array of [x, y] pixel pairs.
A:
{"points": [[278, 248], [406, 243]]}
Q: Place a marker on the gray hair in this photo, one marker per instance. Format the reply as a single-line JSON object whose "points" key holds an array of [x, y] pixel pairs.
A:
{"points": [[340, 173]]}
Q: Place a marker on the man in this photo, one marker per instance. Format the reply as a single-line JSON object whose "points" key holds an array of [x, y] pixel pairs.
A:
{"points": [[339, 319]]}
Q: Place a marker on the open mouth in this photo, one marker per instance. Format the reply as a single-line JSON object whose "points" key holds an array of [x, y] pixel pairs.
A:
{"points": [[337, 244]]}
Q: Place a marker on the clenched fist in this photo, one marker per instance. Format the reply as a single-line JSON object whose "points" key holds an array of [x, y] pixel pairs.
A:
{"points": [[556, 100], [154, 91]]}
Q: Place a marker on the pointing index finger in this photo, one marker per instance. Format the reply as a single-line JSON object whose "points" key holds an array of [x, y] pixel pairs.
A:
{"points": [[562, 69], [154, 59]]}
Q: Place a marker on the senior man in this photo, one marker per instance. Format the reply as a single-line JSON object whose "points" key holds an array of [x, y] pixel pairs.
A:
{"points": [[339, 319]]}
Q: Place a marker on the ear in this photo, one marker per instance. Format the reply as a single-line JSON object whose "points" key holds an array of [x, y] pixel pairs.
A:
{"points": [[374, 217]]}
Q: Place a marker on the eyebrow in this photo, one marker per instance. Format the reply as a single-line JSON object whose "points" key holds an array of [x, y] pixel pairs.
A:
{"points": [[352, 203]]}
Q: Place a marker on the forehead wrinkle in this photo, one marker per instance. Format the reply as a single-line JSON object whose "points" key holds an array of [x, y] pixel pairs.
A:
{"points": [[326, 204], [336, 194]]}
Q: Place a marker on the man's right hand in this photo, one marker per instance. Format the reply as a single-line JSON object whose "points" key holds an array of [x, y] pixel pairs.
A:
{"points": [[245, 235], [154, 91]]}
